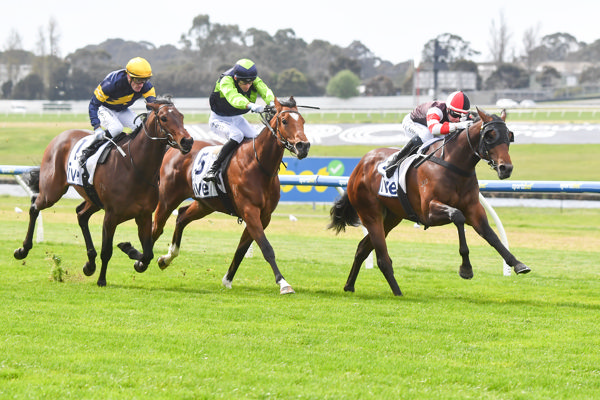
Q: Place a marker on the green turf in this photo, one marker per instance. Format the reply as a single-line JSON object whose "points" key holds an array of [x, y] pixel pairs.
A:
{"points": [[178, 333]]}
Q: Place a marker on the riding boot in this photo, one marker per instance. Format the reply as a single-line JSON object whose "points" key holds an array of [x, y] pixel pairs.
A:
{"points": [[227, 148], [91, 149], [413, 144]]}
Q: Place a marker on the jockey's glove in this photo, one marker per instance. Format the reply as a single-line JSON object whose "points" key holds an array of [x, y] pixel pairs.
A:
{"points": [[256, 108], [99, 134], [460, 125]]}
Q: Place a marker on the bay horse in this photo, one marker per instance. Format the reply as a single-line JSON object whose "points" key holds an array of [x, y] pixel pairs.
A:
{"points": [[126, 186], [442, 190], [251, 182]]}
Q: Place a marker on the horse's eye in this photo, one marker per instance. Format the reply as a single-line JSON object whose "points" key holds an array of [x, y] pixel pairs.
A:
{"points": [[284, 121], [163, 118]]}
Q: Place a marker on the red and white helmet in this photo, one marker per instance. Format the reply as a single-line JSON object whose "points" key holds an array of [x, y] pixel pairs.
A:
{"points": [[458, 102]]}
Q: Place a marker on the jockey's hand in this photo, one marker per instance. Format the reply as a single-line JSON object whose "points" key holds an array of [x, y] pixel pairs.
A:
{"points": [[256, 108], [99, 134], [460, 125]]}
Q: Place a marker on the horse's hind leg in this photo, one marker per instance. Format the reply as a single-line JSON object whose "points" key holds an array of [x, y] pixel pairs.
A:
{"points": [[143, 259], [378, 227], [84, 211], [108, 232], [186, 215], [34, 212], [242, 249], [363, 250]]}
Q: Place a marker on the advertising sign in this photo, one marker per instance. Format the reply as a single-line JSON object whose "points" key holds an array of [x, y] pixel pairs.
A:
{"points": [[329, 166]]}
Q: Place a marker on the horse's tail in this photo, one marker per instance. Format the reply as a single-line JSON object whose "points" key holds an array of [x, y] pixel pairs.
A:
{"points": [[32, 179], [343, 214]]}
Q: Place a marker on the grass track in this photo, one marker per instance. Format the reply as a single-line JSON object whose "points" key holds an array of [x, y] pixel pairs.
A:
{"points": [[178, 334]]}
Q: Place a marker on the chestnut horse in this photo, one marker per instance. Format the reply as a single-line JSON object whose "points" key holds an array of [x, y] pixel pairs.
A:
{"points": [[251, 183], [443, 189], [126, 186]]}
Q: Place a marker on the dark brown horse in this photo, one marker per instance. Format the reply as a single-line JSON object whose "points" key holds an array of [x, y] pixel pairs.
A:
{"points": [[126, 186], [251, 181], [443, 189]]}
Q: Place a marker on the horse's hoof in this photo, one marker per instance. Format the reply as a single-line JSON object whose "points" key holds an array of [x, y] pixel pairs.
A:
{"points": [[20, 253], [465, 273], [89, 269], [286, 290], [101, 283], [226, 282], [140, 266], [349, 289], [521, 268], [162, 264]]}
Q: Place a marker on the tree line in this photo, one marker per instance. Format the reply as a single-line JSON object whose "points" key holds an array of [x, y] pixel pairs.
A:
{"points": [[290, 65]]}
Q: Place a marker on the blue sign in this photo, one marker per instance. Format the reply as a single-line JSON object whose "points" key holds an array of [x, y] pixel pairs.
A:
{"points": [[328, 166]]}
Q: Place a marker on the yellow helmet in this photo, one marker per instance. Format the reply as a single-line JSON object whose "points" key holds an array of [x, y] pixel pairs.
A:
{"points": [[139, 68]]}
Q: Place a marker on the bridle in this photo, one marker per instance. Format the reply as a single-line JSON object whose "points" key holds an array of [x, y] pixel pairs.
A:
{"points": [[265, 118], [276, 132], [487, 142], [167, 135]]}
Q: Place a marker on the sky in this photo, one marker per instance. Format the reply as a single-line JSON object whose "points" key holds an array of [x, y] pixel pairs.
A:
{"points": [[392, 30]]}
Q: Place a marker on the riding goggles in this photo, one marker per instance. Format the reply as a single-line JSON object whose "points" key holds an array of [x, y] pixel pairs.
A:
{"points": [[245, 81], [139, 80]]}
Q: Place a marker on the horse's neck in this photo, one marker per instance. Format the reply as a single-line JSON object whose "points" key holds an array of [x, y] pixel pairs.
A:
{"points": [[460, 153], [268, 150], [147, 153]]}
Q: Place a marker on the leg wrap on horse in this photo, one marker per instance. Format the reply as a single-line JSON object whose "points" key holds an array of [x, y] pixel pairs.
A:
{"points": [[413, 145], [227, 148]]}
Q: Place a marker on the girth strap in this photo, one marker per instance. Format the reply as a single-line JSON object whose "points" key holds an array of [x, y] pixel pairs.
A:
{"points": [[451, 167]]}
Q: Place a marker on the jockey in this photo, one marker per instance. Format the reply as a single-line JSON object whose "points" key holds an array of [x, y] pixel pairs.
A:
{"points": [[109, 107], [429, 119], [235, 94]]}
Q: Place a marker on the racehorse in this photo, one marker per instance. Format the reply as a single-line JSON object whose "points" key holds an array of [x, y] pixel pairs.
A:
{"points": [[126, 186], [443, 189], [251, 181]]}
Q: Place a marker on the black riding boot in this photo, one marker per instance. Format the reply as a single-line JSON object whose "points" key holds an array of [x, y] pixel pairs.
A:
{"points": [[413, 144], [88, 151], [227, 148]]}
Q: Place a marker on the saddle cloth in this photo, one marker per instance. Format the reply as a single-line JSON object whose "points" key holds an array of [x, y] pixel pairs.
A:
{"points": [[74, 171], [389, 186], [202, 163]]}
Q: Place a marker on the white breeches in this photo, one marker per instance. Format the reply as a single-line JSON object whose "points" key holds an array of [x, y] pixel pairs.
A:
{"points": [[235, 127]]}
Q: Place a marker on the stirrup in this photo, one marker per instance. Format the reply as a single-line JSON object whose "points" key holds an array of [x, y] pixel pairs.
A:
{"points": [[210, 176]]}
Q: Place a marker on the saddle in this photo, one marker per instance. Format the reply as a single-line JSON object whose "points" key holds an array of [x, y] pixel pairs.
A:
{"points": [[85, 154]]}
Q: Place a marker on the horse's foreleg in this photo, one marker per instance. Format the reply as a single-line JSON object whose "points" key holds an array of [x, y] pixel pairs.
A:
{"points": [[108, 233], [242, 249], [34, 212], [441, 214], [84, 211], [256, 228], [483, 228]]}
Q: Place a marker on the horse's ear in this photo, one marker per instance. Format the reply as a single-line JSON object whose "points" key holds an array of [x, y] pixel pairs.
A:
{"points": [[503, 114], [277, 103], [485, 117]]}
